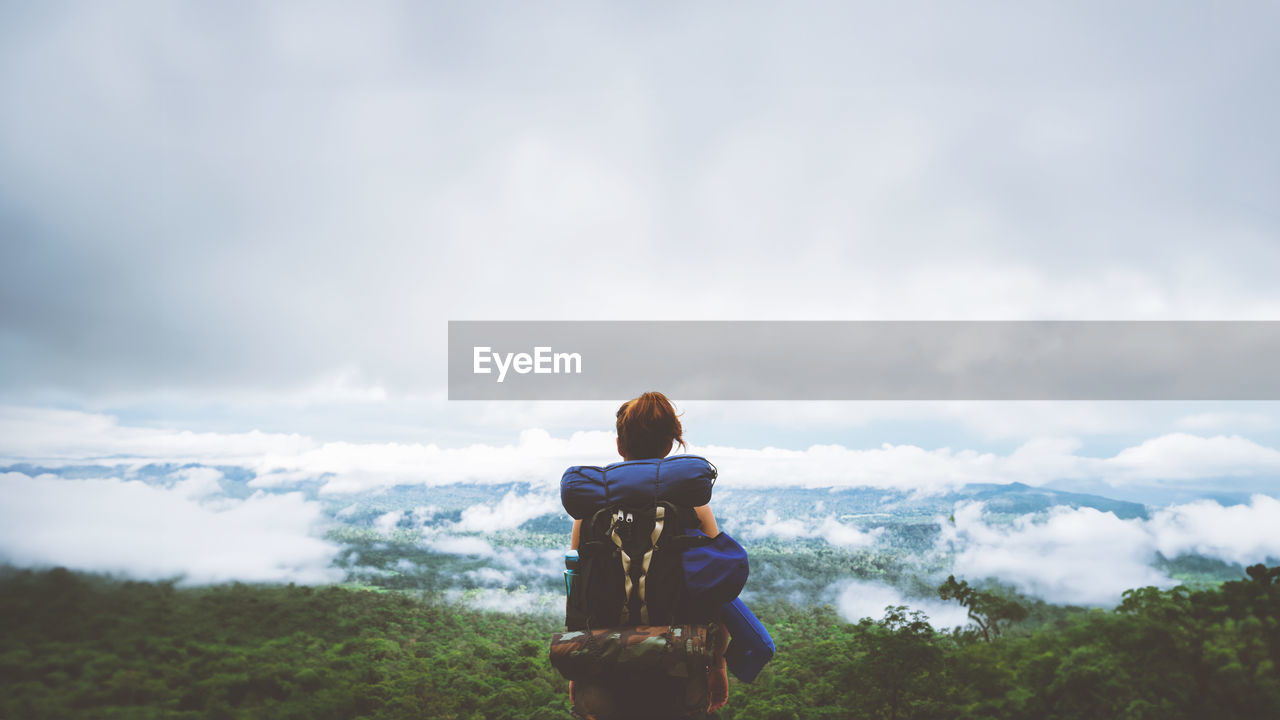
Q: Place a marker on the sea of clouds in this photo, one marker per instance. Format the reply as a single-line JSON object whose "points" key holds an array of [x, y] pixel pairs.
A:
{"points": [[58, 438], [189, 530], [1084, 556], [74, 496]]}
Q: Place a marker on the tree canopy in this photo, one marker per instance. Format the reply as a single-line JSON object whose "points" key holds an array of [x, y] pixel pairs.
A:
{"points": [[74, 645]]}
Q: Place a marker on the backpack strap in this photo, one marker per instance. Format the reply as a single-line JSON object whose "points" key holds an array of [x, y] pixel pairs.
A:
{"points": [[637, 551], [659, 515], [620, 526]]}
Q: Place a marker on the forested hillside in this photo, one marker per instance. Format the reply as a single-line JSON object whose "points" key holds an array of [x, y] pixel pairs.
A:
{"points": [[82, 646]]}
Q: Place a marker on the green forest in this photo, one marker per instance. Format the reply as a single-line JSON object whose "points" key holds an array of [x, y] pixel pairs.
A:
{"points": [[74, 645]]}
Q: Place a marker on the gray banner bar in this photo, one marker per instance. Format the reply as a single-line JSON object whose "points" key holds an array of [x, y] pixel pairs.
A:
{"points": [[865, 360]]}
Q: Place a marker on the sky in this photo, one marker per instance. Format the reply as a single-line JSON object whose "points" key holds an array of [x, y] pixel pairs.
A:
{"points": [[239, 231]]}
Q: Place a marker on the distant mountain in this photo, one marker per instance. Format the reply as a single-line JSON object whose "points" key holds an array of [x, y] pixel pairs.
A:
{"points": [[1019, 498], [1222, 490], [869, 503]]}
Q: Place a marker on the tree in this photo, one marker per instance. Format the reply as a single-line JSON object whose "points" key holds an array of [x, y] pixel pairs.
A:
{"points": [[986, 610]]}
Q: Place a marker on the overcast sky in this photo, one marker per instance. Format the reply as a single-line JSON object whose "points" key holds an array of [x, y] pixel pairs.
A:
{"points": [[261, 216], [232, 235]]}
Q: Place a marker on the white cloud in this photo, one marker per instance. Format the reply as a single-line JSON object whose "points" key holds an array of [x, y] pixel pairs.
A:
{"points": [[387, 522], [460, 545], [1080, 556], [424, 515], [889, 466], [1171, 458], [1243, 534], [152, 532], [837, 533], [390, 522], [508, 513], [1222, 420], [57, 438], [828, 528], [517, 601], [536, 457], [197, 482], [1085, 556], [859, 599], [1181, 456], [65, 437], [515, 560], [492, 576]]}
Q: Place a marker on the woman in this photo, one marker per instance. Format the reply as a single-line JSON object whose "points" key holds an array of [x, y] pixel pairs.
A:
{"points": [[648, 427]]}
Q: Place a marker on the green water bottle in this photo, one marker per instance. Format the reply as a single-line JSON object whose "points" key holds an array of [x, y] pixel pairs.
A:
{"points": [[570, 571]]}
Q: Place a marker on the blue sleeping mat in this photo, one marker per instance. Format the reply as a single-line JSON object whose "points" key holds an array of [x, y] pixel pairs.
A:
{"points": [[684, 480], [750, 646]]}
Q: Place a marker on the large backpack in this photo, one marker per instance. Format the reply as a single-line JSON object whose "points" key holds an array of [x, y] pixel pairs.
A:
{"points": [[639, 638], [630, 569], [637, 520], [634, 643]]}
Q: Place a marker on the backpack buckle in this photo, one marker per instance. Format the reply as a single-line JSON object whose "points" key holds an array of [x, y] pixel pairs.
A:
{"points": [[622, 524]]}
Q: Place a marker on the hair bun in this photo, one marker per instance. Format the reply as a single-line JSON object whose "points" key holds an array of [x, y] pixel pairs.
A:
{"points": [[647, 426]]}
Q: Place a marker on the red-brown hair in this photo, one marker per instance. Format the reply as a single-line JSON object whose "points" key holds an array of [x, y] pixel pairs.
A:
{"points": [[647, 426]]}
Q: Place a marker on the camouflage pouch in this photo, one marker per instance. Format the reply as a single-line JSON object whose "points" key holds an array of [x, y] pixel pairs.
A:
{"points": [[676, 650]]}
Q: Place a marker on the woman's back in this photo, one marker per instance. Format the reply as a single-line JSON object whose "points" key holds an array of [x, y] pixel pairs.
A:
{"points": [[648, 428]]}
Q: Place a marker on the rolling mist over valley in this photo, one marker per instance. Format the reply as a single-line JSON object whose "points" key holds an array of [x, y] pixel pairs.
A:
{"points": [[499, 546]]}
